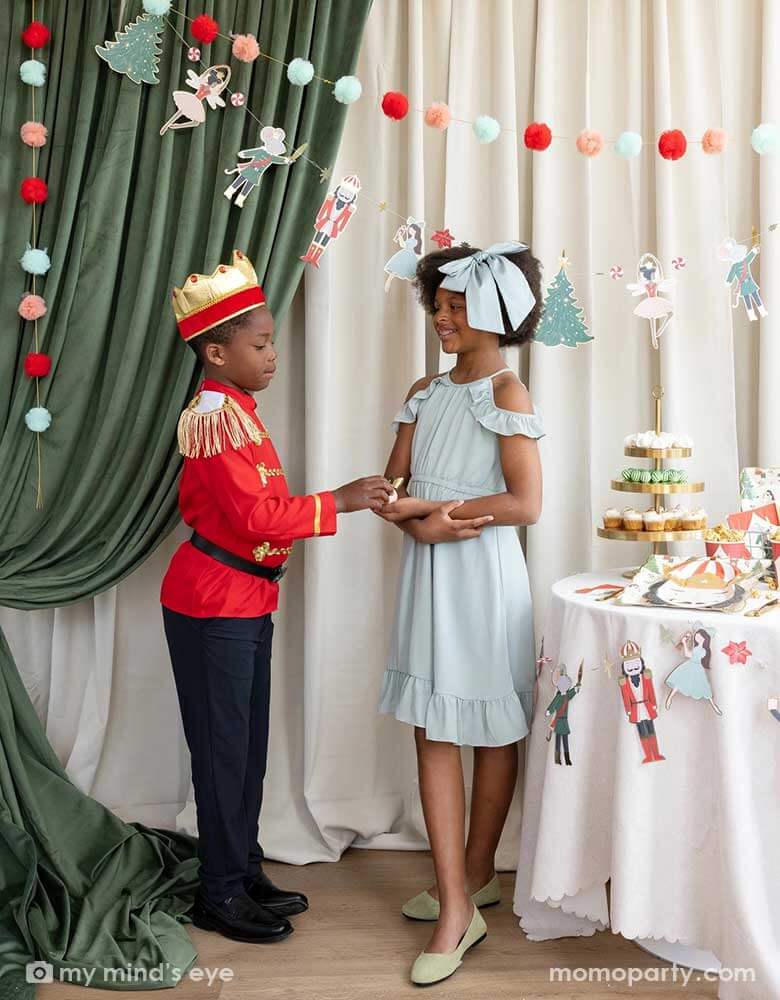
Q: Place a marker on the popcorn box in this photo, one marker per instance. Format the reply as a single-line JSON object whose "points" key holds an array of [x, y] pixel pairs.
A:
{"points": [[728, 550]]}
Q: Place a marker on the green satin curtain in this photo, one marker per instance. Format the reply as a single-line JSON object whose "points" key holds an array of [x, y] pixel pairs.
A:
{"points": [[129, 214]]}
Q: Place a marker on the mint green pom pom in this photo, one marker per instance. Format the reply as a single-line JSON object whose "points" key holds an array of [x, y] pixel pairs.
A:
{"points": [[156, 6], [348, 89], [300, 72], [38, 419], [35, 261], [628, 145], [486, 129], [765, 138], [33, 72]]}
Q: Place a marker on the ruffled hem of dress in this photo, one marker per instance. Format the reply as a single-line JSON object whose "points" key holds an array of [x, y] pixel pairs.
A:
{"points": [[505, 422], [446, 718]]}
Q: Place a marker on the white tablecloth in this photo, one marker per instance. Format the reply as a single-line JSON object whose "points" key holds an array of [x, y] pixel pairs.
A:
{"points": [[691, 845]]}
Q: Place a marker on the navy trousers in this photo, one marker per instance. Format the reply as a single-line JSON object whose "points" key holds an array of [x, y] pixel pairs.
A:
{"points": [[222, 668]]}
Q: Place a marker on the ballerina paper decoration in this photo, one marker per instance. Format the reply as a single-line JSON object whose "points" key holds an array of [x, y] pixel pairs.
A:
{"points": [[260, 158], [690, 677], [740, 276], [207, 85], [403, 263], [653, 307], [333, 217]]}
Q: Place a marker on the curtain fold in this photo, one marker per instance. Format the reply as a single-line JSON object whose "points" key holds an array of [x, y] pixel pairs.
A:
{"points": [[129, 214]]}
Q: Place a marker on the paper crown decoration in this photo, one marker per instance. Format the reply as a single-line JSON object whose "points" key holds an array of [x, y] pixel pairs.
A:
{"points": [[630, 651], [206, 300]]}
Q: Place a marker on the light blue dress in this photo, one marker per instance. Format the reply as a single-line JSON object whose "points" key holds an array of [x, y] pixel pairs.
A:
{"points": [[403, 263], [690, 677], [462, 661]]}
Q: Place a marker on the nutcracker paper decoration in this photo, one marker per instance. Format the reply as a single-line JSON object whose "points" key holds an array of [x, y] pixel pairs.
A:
{"points": [[638, 694], [691, 676], [135, 52], [269, 153], [650, 283], [207, 85], [403, 263], [563, 320], [333, 217], [740, 277]]}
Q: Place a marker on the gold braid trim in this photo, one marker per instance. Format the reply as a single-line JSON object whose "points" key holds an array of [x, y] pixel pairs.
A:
{"points": [[202, 435]]}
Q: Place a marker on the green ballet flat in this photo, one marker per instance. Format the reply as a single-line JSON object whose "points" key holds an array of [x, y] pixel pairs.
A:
{"points": [[431, 968], [424, 907]]}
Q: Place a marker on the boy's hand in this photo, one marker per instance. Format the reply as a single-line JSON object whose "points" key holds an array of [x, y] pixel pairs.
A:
{"points": [[371, 493], [440, 527]]}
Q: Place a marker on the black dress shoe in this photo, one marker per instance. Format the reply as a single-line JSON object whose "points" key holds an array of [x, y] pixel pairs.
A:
{"points": [[262, 890], [241, 919]]}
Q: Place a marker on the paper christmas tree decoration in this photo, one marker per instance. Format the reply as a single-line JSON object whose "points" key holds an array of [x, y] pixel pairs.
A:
{"points": [[136, 50], [563, 319]]}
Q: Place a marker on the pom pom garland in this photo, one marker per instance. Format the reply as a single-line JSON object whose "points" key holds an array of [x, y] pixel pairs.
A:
{"points": [[33, 73], [438, 115], [300, 72], [159, 7], [32, 307], [765, 138], [38, 419], [35, 35], [590, 142], [204, 28], [714, 140], [34, 190], [33, 134], [347, 89], [672, 144], [35, 261], [395, 105], [37, 365], [628, 145], [537, 136], [245, 48], [486, 129]]}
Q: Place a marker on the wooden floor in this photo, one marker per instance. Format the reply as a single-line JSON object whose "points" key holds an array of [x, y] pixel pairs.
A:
{"points": [[353, 944]]}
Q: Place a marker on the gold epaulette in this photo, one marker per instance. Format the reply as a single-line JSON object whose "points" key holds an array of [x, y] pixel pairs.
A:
{"points": [[648, 672], [213, 422]]}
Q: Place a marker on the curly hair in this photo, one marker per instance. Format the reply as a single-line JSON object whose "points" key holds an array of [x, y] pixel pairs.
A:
{"points": [[429, 277], [221, 334]]}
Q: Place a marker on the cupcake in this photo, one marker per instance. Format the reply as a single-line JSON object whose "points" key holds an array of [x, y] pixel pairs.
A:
{"points": [[632, 519], [691, 521], [613, 518], [653, 520], [701, 518], [672, 519]]}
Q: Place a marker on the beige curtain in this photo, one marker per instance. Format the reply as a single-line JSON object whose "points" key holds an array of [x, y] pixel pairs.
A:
{"points": [[340, 775]]}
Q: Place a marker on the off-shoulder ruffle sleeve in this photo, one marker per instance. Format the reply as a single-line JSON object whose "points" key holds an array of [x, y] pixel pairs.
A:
{"points": [[408, 412], [506, 422]]}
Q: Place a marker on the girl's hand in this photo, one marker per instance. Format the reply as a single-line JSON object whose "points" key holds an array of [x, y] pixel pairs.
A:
{"points": [[440, 527], [407, 507]]}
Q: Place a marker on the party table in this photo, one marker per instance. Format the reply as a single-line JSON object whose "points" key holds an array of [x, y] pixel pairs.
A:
{"points": [[690, 844]]}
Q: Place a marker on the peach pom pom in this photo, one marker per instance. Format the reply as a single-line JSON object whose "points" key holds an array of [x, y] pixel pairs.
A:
{"points": [[33, 133], [714, 140], [32, 307], [590, 143], [245, 48], [438, 115]]}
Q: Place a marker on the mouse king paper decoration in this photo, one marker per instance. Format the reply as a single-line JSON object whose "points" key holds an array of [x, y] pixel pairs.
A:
{"points": [[333, 217], [638, 693], [563, 319], [650, 282], [690, 677], [403, 263], [270, 153], [136, 50], [740, 277], [558, 710], [207, 85]]}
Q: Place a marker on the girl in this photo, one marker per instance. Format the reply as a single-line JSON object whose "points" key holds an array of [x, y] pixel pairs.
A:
{"points": [[690, 677], [461, 667]]}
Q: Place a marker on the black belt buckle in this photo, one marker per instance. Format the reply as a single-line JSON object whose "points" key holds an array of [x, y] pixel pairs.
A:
{"points": [[278, 572]]}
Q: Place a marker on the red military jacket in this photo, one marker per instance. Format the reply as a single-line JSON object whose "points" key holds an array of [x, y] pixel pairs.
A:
{"points": [[629, 693], [233, 493]]}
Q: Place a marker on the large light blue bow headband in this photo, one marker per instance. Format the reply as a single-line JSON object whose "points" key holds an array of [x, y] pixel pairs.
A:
{"points": [[487, 279]]}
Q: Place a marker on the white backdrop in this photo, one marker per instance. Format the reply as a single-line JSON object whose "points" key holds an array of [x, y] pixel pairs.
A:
{"points": [[339, 774]]}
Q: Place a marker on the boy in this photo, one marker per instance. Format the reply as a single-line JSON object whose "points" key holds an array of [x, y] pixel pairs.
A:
{"points": [[222, 585]]}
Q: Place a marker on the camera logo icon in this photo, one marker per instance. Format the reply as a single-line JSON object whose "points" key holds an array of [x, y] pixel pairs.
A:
{"points": [[40, 972]]}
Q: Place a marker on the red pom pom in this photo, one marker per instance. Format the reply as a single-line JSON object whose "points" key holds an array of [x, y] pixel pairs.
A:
{"points": [[204, 28], [35, 35], [672, 144], [37, 365], [34, 190], [395, 105], [537, 136]]}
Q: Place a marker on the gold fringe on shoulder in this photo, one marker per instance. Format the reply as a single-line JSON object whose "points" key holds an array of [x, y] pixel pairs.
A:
{"points": [[202, 435]]}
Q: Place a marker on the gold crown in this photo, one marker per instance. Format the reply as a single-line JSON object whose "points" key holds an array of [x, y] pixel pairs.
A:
{"points": [[206, 300]]}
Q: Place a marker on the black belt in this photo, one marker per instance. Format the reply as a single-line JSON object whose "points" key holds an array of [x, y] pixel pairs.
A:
{"points": [[274, 574]]}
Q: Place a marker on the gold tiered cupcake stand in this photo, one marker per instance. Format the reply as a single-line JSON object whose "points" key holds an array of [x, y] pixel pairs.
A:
{"points": [[657, 490]]}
